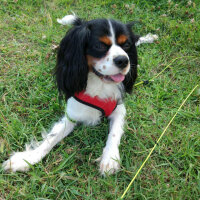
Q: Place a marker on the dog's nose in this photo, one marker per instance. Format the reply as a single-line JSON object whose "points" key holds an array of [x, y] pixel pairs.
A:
{"points": [[121, 61]]}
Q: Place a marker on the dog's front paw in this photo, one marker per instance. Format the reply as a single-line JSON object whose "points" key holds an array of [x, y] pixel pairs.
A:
{"points": [[17, 162], [109, 161]]}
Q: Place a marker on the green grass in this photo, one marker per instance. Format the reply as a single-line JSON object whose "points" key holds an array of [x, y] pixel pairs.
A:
{"points": [[29, 104]]}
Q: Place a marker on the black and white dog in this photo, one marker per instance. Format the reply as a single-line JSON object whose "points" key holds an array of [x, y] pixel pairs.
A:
{"points": [[96, 65]]}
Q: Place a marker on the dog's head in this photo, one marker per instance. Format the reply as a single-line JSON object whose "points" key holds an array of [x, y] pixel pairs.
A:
{"points": [[103, 47]]}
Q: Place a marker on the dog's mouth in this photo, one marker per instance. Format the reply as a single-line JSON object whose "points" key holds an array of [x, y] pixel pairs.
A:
{"points": [[117, 78]]}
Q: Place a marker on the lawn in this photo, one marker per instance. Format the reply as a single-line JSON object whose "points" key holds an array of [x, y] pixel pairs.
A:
{"points": [[29, 103]]}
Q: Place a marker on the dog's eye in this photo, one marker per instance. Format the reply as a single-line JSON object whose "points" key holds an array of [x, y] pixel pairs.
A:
{"points": [[100, 46], [126, 46]]}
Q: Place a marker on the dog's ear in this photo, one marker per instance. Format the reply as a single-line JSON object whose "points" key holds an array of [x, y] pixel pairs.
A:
{"points": [[72, 68], [132, 53], [130, 25]]}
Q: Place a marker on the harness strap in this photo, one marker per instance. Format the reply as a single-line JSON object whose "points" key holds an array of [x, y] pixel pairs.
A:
{"points": [[106, 106]]}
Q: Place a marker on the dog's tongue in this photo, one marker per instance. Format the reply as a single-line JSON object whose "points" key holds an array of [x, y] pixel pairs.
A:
{"points": [[117, 78]]}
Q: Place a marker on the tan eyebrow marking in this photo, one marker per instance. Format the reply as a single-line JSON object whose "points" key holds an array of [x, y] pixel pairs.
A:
{"points": [[121, 39], [105, 40]]}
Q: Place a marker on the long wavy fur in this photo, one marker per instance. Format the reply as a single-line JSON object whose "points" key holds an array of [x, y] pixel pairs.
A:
{"points": [[72, 69]]}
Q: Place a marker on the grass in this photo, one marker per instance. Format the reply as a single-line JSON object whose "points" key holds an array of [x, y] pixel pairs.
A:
{"points": [[29, 104]]}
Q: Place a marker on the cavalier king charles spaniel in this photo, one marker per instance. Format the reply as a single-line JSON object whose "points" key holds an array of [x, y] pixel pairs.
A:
{"points": [[96, 66]]}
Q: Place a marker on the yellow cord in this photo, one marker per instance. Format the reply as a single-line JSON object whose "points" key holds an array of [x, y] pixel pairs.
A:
{"points": [[152, 79], [157, 142]]}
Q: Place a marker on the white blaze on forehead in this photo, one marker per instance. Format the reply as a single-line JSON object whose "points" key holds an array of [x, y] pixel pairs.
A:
{"points": [[112, 37], [115, 50]]}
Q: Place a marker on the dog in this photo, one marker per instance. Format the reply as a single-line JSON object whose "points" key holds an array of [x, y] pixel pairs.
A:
{"points": [[96, 66]]}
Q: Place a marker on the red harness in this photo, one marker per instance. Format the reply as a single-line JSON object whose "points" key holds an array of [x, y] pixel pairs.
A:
{"points": [[106, 106]]}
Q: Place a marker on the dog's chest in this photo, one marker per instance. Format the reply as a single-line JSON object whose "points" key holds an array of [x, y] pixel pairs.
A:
{"points": [[82, 113]]}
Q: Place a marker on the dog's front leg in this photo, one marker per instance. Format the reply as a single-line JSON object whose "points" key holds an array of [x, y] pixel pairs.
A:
{"points": [[18, 161], [109, 161]]}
